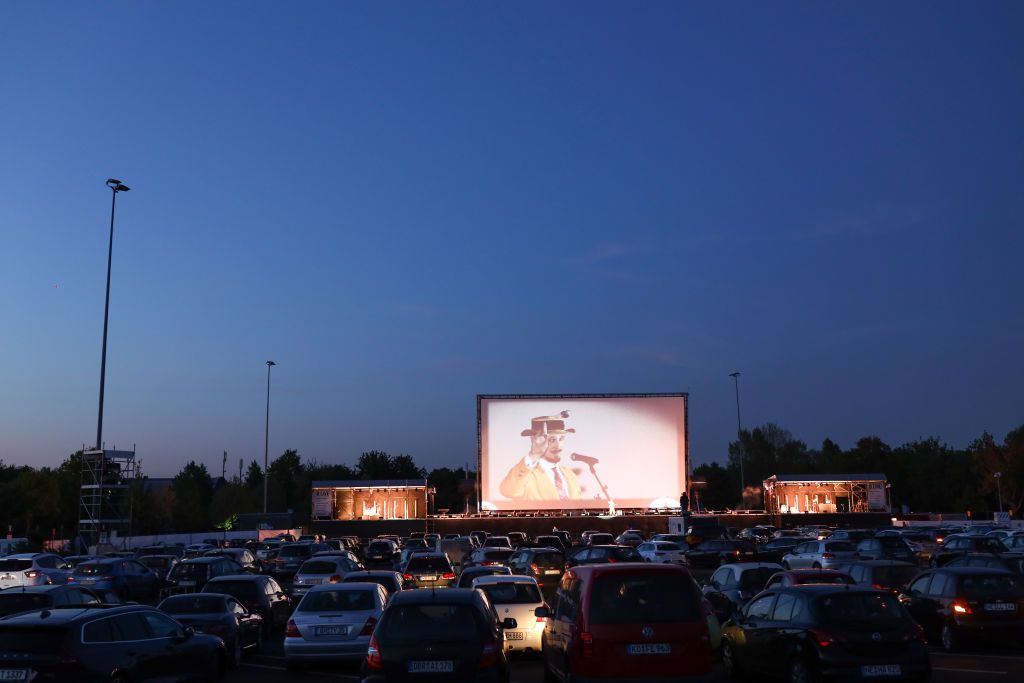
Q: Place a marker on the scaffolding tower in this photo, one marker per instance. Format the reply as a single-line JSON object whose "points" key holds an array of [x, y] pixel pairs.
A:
{"points": [[105, 501]]}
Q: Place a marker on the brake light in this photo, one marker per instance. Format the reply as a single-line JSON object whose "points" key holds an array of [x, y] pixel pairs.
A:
{"points": [[878, 585], [736, 552], [612, 560], [407, 577], [488, 656], [335, 578], [291, 630], [371, 623], [828, 556], [32, 573], [71, 579], [961, 607], [823, 638], [586, 644], [534, 568], [373, 658], [448, 576], [488, 564]]}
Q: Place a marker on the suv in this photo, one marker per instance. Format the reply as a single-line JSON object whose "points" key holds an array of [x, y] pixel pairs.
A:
{"points": [[291, 557], [191, 575], [428, 570], [630, 620], [32, 569], [381, 552], [543, 564], [885, 548], [260, 594]]}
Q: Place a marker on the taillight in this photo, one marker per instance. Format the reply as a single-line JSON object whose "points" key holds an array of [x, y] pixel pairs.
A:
{"points": [[407, 577], [488, 564], [823, 638], [736, 552], [448, 576], [534, 568], [373, 658], [488, 656], [291, 630], [612, 560], [828, 556], [878, 586], [961, 607], [335, 578], [371, 623], [32, 573], [586, 644], [71, 579]]}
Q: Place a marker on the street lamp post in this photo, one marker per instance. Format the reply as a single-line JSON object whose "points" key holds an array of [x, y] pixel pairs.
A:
{"points": [[739, 432], [266, 440], [115, 187], [999, 490]]}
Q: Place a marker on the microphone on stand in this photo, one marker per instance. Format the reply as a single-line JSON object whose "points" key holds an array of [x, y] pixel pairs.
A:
{"points": [[586, 459]]}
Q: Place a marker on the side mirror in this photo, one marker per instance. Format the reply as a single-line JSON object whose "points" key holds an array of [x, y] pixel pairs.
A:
{"points": [[509, 622], [542, 613]]}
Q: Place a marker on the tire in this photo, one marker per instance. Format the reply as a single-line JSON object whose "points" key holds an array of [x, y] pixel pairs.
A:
{"points": [[800, 671], [950, 638], [816, 565], [732, 668], [549, 675]]}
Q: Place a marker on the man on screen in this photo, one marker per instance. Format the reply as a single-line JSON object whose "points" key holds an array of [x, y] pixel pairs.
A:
{"points": [[539, 476]]}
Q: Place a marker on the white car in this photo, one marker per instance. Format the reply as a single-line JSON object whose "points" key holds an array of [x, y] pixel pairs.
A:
{"points": [[516, 597], [33, 569], [321, 569], [333, 622], [664, 552], [819, 555]]}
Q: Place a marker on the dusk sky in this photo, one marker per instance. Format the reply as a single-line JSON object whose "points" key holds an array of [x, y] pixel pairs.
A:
{"points": [[405, 204]]}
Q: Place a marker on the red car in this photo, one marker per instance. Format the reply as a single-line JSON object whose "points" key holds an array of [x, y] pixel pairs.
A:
{"points": [[626, 620]]}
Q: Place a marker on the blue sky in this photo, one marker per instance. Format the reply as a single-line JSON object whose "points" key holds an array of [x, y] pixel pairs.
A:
{"points": [[407, 204]]}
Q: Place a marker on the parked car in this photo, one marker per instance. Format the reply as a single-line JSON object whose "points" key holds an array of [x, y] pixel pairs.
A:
{"points": [[429, 570], [32, 598], [74, 560], [455, 548], [811, 632], [258, 593], [130, 579], [497, 542], [885, 548], [543, 565], [820, 554], [243, 557], [391, 581], [662, 551], [381, 553], [177, 551], [1012, 562], [291, 556], [602, 554], [854, 536], [321, 569], [732, 585], [196, 550], [959, 605], [887, 575], [467, 576], [774, 550], [599, 538], [629, 620], [517, 538], [804, 577], [32, 569], [715, 553], [191, 576], [703, 529], [551, 541], [441, 635], [126, 643], [161, 565], [487, 557], [333, 622], [958, 546], [220, 615], [630, 538], [517, 597]]}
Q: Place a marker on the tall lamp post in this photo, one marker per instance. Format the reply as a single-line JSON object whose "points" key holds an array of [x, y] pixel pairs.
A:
{"points": [[999, 489], [739, 432], [115, 187], [266, 440]]}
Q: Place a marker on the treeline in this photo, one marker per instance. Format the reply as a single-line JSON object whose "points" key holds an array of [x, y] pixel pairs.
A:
{"points": [[44, 503], [926, 475]]}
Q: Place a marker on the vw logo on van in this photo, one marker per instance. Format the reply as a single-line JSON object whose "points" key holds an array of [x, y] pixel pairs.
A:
{"points": [[647, 632]]}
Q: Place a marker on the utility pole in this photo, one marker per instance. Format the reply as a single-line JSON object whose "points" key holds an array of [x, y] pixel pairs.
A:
{"points": [[739, 434]]}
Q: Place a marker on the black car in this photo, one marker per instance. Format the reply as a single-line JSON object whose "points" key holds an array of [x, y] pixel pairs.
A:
{"points": [[599, 538], [30, 598], [772, 551], [959, 605], [958, 546], [731, 586], [885, 574], [487, 557], [291, 556], [1012, 562], [548, 541], [160, 564], [381, 554], [603, 554], [190, 576], [469, 574], [258, 593], [717, 552], [815, 632], [450, 635], [885, 548], [546, 565], [86, 645], [218, 615], [428, 570]]}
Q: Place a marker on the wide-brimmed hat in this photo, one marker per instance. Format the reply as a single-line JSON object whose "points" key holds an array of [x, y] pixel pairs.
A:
{"points": [[549, 424]]}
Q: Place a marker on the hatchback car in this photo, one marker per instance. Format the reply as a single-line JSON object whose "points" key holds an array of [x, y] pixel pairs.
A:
{"points": [[333, 622], [190, 576], [258, 593], [885, 548], [817, 632], [732, 585], [820, 555], [467, 576], [662, 551], [957, 606], [487, 557], [291, 556], [497, 542], [715, 553], [1012, 562], [544, 565], [32, 569], [806, 577], [129, 579], [603, 554], [321, 569], [517, 597], [958, 546], [428, 570], [449, 635], [626, 621], [127, 643], [218, 615], [54, 596], [600, 538], [884, 574]]}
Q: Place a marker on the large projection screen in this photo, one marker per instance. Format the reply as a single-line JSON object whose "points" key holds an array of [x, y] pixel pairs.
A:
{"points": [[530, 449]]}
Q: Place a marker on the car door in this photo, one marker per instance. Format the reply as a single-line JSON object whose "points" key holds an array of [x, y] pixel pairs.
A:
{"points": [[756, 625], [171, 646], [798, 558], [564, 622], [783, 636], [919, 603], [280, 605]]}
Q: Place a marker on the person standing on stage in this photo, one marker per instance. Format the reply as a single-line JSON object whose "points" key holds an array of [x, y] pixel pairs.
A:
{"points": [[539, 475]]}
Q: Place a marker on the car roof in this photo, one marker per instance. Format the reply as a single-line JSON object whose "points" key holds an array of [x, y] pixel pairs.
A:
{"points": [[741, 566], [206, 559], [827, 588], [211, 594], [503, 578], [594, 570], [65, 616], [252, 578], [374, 572], [973, 571], [812, 572], [430, 555], [886, 563], [426, 596], [36, 589], [350, 586], [23, 556]]}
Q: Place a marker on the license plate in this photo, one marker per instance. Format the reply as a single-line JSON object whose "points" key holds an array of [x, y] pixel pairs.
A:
{"points": [[7, 577], [313, 582], [513, 635], [649, 649], [427, 578], [87, 582], [433, 667], [13, 674], [1001, 607], [881, 670], [549, 572], [330, 630]]}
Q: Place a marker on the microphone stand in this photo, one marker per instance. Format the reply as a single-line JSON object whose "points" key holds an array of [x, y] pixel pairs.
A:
{"points": [[600, 483]]}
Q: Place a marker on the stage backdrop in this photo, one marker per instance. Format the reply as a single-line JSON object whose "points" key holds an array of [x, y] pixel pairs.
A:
{"points": [[639, 441]]}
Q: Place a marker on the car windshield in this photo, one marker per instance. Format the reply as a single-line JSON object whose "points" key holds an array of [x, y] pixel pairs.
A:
{"points": [[32, 641], [992, 586], [860, 608], [430, 622], [11, 602], [197, 603], [319, 567], [894, 576], [239, 589], [14, 565], [337, 601], [643, 598], [428, 564], [94, 568], [511, 593], [755, 579]]}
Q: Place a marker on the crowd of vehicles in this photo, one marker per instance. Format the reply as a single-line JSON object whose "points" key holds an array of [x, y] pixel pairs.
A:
{"points": [[826, 603]]}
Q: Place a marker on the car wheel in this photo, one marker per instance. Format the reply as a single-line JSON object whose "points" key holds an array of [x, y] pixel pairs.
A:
{"points": [[729, 663], [120, 678], [785, 565], [235, 654], [950, 638], [816, 565], [549, 675], [800, 672]]}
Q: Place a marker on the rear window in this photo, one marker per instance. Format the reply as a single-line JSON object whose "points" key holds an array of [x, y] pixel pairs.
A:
{"points": [[894, 576], [14, 565], [379, 548], [318, 567], [601, 539], [94, 568], [11, 603], [755, 579], [637, 598], [867, 609], [155, 562], [511, 593], [337, 601], [196, 603], [188, 570], [295, 551], [498, 554], [431, 622], [839, 546], [432, 564], [32, 641], [667, 546], [992, 586], [549, 560], [839, 579], [239, 589]]}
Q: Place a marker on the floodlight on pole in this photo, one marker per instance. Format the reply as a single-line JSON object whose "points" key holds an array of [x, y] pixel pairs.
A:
{"points": [[999, 490], [739, 433], [266, 440], [115, 187]]}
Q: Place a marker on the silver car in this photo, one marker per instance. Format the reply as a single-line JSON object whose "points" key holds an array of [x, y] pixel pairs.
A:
{"points": [[820, 555], [319, 570], [33, 569], [333, 622]]}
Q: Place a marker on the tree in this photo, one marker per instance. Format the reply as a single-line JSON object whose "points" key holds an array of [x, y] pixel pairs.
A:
{"points": [[285, 476], [1007, 459], [374, 465], [254, 476], [193, 492]]}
